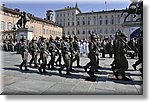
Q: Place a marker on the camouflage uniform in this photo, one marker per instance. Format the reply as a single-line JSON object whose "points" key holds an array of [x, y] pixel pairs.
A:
{"points": [[43, 56], [24, 54], [34, 49], [66, 54]]}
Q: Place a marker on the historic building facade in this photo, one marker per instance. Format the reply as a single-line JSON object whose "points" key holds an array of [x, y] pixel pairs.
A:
{"points": [[104, 23], [39, 27]]}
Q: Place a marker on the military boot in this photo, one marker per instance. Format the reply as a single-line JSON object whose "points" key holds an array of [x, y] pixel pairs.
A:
{"points": [[26, 69], [68, 72]]}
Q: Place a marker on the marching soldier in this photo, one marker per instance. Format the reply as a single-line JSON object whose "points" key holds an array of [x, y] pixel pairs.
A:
{"points": [[65, 47], [52, 49], [24, 54], [121, 60], [72, 51], [34, 49], [5, 44], [115, 48], [58, 45], [93, 55], [140, 54], [43, 56], [76, 52]]}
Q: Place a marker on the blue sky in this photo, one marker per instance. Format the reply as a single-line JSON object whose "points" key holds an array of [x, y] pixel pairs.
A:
{"points": [[39, 8]]}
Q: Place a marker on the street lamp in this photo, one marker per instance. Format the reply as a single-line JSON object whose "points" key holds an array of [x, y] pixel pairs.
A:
{"points": [[14, 33]]}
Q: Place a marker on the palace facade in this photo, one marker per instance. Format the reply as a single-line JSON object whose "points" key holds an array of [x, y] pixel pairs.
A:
{"points": [[104, 23]]}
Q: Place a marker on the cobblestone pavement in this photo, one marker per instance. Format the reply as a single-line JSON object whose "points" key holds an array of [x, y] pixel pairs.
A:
{"points": [[31, 82]]}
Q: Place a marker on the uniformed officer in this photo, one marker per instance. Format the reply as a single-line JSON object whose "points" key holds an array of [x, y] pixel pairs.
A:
{"points": [[34, 49], [66, 54], [121, 60], [24, 54], [43, 55]]}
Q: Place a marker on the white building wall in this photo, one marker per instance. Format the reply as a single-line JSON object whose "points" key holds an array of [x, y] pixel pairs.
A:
{"points": [[85, 22]]}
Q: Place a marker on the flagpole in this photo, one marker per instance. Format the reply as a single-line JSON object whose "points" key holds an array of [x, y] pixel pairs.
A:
{"points": [[106, 5]]}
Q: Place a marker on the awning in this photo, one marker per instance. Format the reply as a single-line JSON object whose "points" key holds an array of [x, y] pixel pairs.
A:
{"points": [[135, 33]]}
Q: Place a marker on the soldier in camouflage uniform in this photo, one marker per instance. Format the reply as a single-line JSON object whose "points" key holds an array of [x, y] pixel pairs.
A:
{"points": [[43, 55], [34, 49], [72, 51], [24, 54], [121, 60], [76, 52], [5, 44], [58, 45], [93, 56], [66, 54], [52, 49]]}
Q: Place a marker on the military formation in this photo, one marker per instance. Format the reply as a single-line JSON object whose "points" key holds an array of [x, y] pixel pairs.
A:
{"points": [[47, 54]]}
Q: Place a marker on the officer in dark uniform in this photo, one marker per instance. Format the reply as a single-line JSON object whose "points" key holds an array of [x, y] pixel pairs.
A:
{"points": [[66, 54], [34, 49], [43, 55], [24, 54]]}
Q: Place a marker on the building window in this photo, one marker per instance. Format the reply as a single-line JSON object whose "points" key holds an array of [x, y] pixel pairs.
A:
{"points": [[64, 14], [72, 23], [47, 31], [118, 18], [78, 23], [9, 26], [89, 20], [78, 32], [83, 22], [43, 31], [100, 22], [112, 19], [68, 13], [106, 21], [83, 32], [94, 20], [68, 24], [2, 25]]}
